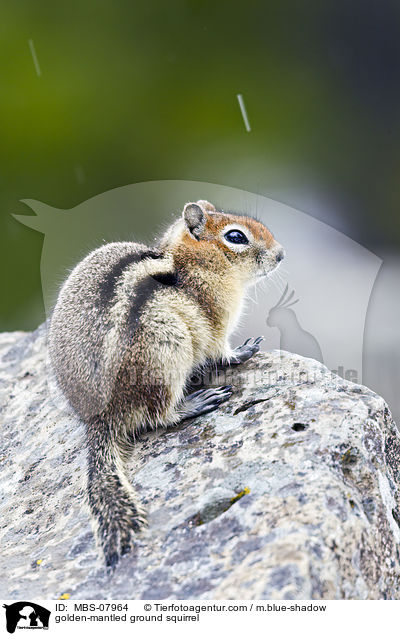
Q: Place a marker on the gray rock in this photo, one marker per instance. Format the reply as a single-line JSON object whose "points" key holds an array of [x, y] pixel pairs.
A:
{"points": [[289, 491]]}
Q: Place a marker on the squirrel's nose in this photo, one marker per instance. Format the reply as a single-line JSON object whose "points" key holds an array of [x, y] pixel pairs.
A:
{"points": [[280, 255]]}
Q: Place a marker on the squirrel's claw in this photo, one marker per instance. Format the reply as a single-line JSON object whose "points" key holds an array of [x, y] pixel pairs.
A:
{"points": [[246, 350], [204, 401]]}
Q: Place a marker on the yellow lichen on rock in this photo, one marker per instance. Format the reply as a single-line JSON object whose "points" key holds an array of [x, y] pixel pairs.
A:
{"points": [[242, 493]]}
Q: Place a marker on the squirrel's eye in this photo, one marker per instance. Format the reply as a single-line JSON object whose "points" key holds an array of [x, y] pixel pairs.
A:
{"points": [[236, 236]]}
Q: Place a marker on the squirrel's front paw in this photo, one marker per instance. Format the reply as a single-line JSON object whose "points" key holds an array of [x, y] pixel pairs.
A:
{"points": [[246, 350]]}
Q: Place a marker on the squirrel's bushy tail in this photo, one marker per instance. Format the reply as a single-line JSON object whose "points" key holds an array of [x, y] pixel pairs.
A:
{"points": [[111, 496]]}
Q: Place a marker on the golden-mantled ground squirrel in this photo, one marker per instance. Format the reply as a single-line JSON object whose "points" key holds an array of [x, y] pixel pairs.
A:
{"points": [[130, 327]]}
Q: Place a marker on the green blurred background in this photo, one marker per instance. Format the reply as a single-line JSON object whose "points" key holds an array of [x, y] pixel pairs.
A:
{"points": [[131, 91]]}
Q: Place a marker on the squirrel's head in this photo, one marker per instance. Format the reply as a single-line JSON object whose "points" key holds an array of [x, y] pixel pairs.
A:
{"points": [[219, 237]]}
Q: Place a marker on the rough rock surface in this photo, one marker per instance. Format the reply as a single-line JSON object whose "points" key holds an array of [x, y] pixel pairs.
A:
{"points": [[290, 491]]}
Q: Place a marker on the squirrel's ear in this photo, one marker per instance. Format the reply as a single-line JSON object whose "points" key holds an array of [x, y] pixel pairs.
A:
{"points": [[194, 218], [206, 205]]}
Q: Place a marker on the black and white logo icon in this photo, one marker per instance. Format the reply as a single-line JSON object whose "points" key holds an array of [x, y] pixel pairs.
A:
{"points": [[26, 615]]}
